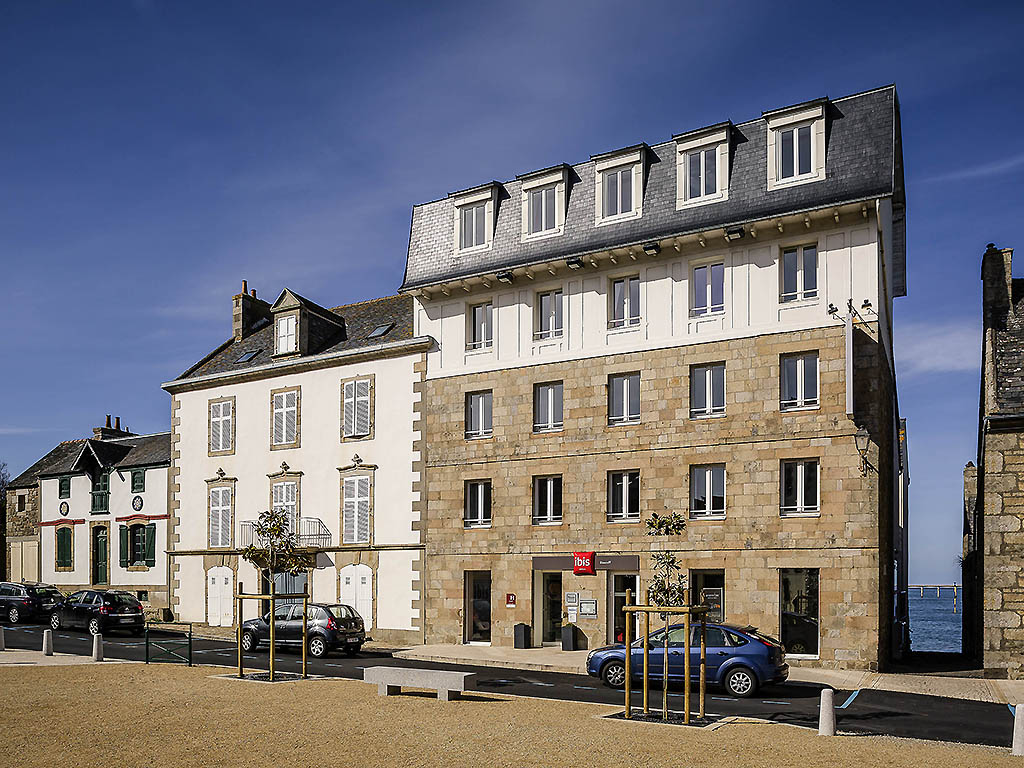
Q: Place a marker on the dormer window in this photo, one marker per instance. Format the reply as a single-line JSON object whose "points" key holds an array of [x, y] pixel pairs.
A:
{"points": [[619, 185], [287, 334], [544, 196], [474, 218], [702, 166], [796, 144]]}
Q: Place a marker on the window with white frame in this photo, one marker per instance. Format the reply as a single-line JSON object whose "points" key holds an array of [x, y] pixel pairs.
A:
{"points": [[356, 510], [701, 173], [547, 500], [220, 517], [357, 408], [286, 417], [481, 334], [284, 498], [708, 289], [220, 425], [541, 204], [796, 145], [472, 226], [793, 151], [547, 407], [623, 496], [624, 398], [799, 384], [799, 492], [799, 273], [625, 302], [478, 414], [707, 490], [702, 166], [287, 334], [549, 315], [478, 504], [617, 191], [707, 390]]}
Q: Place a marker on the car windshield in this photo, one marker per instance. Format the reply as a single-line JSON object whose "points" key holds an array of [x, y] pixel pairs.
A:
{"points": [[340, 611], [44, 592], [754, 632], [119, 598]]}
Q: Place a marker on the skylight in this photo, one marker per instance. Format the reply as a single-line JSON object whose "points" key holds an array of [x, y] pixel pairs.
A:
{"points": [[380, 330], [248, 356]]}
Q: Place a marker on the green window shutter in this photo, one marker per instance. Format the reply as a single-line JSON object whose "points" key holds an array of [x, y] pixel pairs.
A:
{"points": [[124, 545], [63, 548], [151, 544]]}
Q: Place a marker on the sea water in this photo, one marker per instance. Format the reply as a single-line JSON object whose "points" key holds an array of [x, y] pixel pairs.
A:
{"points": [[933, 625]]}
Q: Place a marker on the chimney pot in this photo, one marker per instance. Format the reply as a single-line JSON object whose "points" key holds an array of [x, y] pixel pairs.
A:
{"points": [[107, 425], [117, 422], [245, 287], [254, 293]]}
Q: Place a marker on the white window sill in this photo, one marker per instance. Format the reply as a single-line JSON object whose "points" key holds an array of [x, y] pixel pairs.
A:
{"points": [[481, 436], [629, 216], [474, 249], [798, 301], [547, 523], [702, 516], [706, 416], [794, 181], [549, 233], [624, 423], [694, 202], [804, 656], [475, 526], [623, 520], [620, 327], [816, 513], [547, 430], [798, 408], [707, 315]]}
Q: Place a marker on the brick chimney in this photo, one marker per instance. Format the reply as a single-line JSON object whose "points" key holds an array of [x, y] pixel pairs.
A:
{"points": [[997, 287], [107, 432], [248, 310]]}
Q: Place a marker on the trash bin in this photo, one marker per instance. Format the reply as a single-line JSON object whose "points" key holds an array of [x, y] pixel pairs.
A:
{"points": [[521, 636], [570, 637]]}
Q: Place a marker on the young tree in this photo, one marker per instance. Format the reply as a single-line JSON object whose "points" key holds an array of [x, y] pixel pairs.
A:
{"points": [[668, 587]]}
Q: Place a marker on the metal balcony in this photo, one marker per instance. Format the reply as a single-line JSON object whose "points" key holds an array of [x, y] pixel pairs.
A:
{"points": [[311, 534]]}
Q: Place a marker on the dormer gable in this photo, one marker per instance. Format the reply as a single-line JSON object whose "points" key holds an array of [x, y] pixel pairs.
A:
{"points": [[302, 327]]}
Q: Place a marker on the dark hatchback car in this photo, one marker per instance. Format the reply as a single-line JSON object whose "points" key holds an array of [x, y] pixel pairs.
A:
{"points": [[740, 659], [329, 627], [100, 611], [24, 602]]}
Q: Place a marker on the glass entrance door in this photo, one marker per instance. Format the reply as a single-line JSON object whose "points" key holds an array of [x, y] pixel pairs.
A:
{"points": [[477, 611], [708, 588], [619, 584], [99, 554], [798, 600], [551, 608]]}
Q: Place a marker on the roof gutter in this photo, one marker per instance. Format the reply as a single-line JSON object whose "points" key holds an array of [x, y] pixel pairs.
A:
{"points": [[313, 362]]}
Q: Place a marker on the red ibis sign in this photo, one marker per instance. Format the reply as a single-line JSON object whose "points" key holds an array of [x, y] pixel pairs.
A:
{"points": [[583, 563]]}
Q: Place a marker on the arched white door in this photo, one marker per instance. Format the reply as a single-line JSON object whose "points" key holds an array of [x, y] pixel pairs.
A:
{"points": [[219, 596], [357, 590]]}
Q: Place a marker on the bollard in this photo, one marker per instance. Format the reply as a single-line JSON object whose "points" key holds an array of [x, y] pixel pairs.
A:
{"points": [[1018, 730], [97, 647], [827, 713], [2, 646], [47, 642]]}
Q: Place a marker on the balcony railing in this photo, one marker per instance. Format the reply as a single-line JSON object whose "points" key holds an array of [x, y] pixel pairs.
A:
{"points": [[311, 533]]}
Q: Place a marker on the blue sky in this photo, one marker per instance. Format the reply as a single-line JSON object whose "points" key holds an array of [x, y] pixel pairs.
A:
{"points": [[156, 153]]}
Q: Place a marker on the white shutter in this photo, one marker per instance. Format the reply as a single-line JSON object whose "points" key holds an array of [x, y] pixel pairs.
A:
{"points": [[290, 416], [215, 427], [350, 408], [290, 507], [225, 426], [363, 510], [220, 517], [349, 511], [279, 419], [215, 517], [362, 425]]}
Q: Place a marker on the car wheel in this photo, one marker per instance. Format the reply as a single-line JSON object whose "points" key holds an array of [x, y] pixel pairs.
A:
{"points": [[317, 647], [249, 642], [54, 621], [796, 647], [13, 616], [352, 650], [94, 626], [741, 682], [614, 674]]}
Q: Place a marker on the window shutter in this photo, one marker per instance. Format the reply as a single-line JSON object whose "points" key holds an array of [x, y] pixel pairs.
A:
{"points": [[151, 544], [215, 427], [215, 517], [363, 509], [349, 512], [278, 419], [350, 408], [290, 417], [362, 407], [225, 517], [123, 530]]}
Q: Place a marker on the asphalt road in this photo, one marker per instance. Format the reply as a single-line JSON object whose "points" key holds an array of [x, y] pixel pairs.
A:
{"points": [[869, 711]]}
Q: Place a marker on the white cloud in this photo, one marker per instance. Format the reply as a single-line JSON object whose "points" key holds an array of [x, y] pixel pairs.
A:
{"points": [[951, 346], [981, 171]]}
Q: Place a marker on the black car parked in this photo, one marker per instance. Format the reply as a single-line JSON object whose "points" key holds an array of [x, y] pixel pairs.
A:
{"points": [[329, 627], [99, 611], [22, 602]]}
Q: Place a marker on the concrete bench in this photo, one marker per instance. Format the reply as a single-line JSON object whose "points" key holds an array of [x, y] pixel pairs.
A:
{"points": [[391, 680]]}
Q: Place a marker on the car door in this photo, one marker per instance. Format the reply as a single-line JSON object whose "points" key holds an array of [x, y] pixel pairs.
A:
{"points": [[716, 651], [6, 598], [283, 631], [74, 614]]}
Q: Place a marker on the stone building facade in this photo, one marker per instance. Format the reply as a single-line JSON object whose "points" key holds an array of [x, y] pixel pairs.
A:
{"points": [[658, 293], [993, 564]]}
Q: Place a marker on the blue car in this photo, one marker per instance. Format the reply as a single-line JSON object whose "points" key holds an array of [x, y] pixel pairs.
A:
{"points": [[740, 659]]}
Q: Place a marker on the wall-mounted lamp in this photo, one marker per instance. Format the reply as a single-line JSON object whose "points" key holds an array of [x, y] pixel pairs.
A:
{"points": [[862, 439], [734, 233], [652, 249], [576, 262], [866, 305], [505, 277], [833, 310]]}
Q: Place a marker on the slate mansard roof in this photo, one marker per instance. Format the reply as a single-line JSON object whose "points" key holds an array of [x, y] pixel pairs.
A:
{"points": [[864, 161], [1008, 355], [114, 453], [359, 320]]}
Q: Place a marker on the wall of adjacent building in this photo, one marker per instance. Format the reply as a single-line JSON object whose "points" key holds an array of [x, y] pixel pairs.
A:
{"points": [[22, 535]]}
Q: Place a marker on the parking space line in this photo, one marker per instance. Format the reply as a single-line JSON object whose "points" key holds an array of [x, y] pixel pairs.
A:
{"points": [[722, 698], [546, 685], [584, 687], [849, 701], [767, 701]]}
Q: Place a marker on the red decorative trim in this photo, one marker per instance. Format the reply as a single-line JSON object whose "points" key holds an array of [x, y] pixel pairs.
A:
{"points": [[140, 516], [62, 521]]}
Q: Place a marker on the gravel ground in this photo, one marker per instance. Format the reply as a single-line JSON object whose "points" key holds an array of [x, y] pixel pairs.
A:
{"points": [[135, 715]]}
